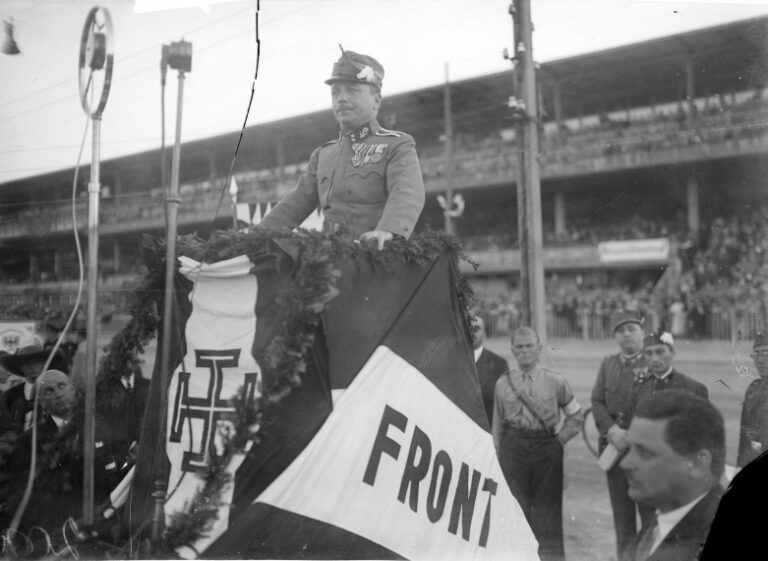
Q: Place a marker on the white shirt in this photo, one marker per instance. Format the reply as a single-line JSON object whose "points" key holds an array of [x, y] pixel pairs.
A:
{"points": [[665, 521], [127, 380], [60, 422], [478, 352], [663, 375]]}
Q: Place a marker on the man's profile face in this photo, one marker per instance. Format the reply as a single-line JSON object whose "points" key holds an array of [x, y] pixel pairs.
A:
{"points": [[478, 335], [630, 337], [760, 356], [657, 475], [354, 104], [659, 358], [57, 395], [526, 349]]}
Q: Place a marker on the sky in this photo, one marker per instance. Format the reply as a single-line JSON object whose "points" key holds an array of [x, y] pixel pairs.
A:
{"points": [[418, 42]]}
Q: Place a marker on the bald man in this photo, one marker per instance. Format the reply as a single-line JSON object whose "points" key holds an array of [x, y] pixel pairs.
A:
{"points": [[59, 476]]}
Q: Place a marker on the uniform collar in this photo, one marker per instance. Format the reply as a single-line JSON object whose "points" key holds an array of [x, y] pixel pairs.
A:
{"points": [[363, 132], [630, 359]]}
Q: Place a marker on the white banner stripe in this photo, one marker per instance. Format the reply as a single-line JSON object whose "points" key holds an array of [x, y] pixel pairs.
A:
{"points": [[400, 464]]}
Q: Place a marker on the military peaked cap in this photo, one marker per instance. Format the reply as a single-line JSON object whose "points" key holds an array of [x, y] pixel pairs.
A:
{"points": [[625, 316], [354, 67]]}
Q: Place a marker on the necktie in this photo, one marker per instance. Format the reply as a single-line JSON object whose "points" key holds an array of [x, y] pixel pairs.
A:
{"points": [[128, 385], [646, 541]]}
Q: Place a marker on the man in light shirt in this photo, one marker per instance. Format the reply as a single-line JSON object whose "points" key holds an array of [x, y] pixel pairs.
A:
{"points": [[674, 464], [535, 414]]}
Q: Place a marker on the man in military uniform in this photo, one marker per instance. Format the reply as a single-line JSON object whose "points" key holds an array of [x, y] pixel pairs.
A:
{"points": [[613, 403], [368, 181], [527, 410], [753, 437]]}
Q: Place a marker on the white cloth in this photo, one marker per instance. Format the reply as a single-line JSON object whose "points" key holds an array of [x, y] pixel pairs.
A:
{"points": [[478, 352]]}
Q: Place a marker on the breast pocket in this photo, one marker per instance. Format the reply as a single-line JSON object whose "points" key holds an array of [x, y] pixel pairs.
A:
{"points": [[365, 184]]}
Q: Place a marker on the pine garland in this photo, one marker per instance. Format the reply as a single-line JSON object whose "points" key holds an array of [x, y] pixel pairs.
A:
{"points": [[302, 296]]}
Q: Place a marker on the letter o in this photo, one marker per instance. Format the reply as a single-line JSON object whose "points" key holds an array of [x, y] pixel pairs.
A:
{"points": [[435, 508]]}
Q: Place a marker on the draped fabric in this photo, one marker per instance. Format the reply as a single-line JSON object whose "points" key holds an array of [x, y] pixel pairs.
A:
{"points": [[384, 450]]}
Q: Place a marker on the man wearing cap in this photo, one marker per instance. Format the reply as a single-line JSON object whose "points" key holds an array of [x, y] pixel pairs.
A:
{"points": [[614, 397], [753, 436], [368, 181], [659, 352], [28, 361]]}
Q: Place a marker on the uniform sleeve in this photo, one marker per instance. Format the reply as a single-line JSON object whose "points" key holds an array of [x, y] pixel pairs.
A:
{"points": [[405, 190], [574, 416], [603, 418], [299, 203]]}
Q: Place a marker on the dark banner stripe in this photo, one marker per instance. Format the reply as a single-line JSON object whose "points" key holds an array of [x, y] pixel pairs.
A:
{"points": [[266, 532]]}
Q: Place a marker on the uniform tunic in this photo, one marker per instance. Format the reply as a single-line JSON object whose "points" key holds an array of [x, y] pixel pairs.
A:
{"points": [[531, 454], [614, 398], [367, 180], [753, 436]]}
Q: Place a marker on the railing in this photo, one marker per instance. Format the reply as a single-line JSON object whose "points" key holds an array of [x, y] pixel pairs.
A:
{"points": [[717, 324], [642, 143]]}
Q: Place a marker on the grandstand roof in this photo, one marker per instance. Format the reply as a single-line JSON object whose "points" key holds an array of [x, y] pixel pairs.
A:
{"points": [[733, 55]]}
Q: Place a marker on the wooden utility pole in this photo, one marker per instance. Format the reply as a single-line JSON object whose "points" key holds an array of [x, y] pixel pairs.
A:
{"points": [[525, 106]]}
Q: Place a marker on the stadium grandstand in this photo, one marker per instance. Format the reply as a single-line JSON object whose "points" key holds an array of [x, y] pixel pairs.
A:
{"points": [[653, 178]]}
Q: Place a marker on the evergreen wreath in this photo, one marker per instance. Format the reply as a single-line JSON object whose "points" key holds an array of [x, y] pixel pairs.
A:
{"points": [[302, 296]]}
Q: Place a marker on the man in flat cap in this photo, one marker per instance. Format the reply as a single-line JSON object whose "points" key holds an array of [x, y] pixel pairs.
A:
{"points": [[753, 437], [614, 397], [367, 182]]}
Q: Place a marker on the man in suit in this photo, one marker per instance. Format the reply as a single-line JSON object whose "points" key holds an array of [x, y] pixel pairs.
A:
{"points": [[489, 366], [120, 405], [366, 182], [753, 436], [659, 352], [28, 361], [675, 461], [614, 397], [58, 482]]}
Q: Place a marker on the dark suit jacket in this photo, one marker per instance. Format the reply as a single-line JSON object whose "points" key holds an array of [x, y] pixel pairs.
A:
{"points": [[738, 531], [17, 406], [489, 367], [675, 381], [122, 413], [685, 540]]}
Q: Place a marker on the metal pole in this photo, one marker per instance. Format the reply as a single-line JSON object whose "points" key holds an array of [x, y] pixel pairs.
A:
{"points": [[172, 200], [449, 164], [528, 179], [89, 427]]}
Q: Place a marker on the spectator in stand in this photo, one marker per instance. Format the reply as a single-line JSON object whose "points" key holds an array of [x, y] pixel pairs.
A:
{"points": [[614, 398], [674, 464], [489, 365], [753, 435]]}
